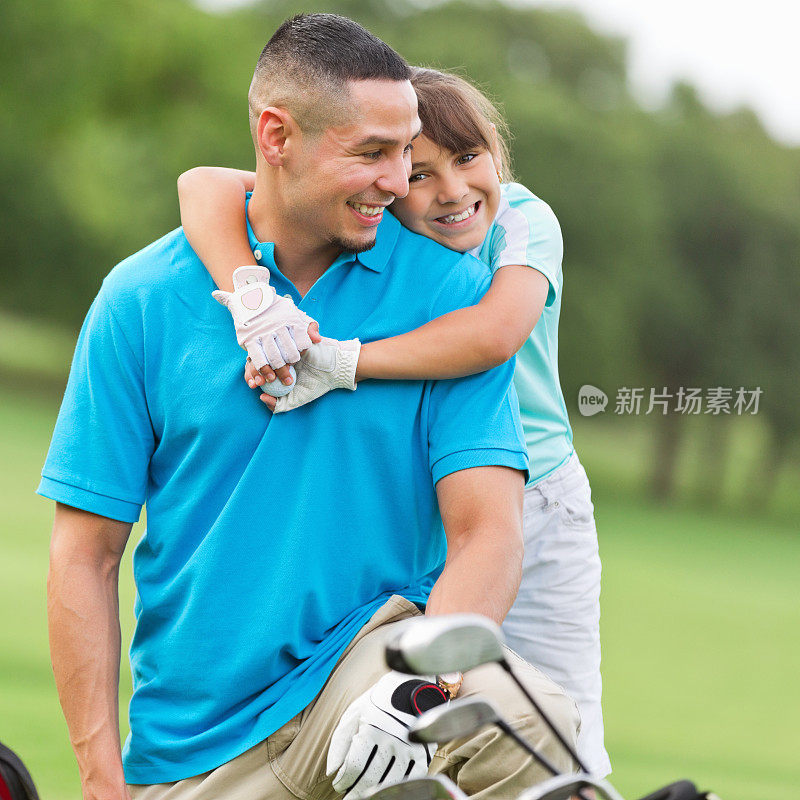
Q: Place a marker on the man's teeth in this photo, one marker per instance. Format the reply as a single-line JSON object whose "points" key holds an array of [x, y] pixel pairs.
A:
{"points": [[367, 211], [450, 218]]}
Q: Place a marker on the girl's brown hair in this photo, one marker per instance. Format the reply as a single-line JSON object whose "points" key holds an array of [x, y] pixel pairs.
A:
{"points": [[457, 116]]}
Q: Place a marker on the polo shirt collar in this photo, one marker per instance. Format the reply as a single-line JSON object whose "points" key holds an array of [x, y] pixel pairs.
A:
{"points": [[263, 252], [377, 258], [374, 259]]}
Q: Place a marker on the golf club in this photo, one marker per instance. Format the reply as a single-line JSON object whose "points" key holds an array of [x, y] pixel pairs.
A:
{"points": [[430, 787], [465, 716], [433, 645], [462, 717]]}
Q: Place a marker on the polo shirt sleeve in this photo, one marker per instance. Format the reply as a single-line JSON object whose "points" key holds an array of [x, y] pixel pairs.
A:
{"points": [[526, 232], [103, 438], [474, 421]]}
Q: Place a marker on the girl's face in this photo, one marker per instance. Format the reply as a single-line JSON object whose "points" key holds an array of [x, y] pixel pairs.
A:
{"points": [[452, 197]]}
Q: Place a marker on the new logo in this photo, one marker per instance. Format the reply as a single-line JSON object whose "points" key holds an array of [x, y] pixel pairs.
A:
{"points": [[591, 400]]}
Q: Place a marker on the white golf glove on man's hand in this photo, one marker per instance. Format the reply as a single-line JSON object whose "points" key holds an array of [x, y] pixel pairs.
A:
{"points": [[370, 744], [272, 329], [329, 364]]}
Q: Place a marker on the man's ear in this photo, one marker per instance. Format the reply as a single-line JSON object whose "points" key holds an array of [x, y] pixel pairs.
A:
{"points": [[275, 126]]}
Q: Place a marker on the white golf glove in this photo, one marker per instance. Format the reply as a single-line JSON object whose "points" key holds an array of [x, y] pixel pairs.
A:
{"points": [[272, 329], [370, 744], [329, 364]]}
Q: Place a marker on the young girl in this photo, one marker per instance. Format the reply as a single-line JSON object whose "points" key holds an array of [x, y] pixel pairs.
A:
{"points": [[458, 198]]}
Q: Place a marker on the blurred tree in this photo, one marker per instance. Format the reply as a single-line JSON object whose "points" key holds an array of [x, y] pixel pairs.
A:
{"points": [[706, 317], [104, 107]]}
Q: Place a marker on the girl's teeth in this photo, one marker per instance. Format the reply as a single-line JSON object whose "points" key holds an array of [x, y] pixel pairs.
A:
{"points": [[450, 218], [367, 211]]}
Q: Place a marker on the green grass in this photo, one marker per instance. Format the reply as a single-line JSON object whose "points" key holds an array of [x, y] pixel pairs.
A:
{"points": [[700, 627], [701, 657], [30, 716]]}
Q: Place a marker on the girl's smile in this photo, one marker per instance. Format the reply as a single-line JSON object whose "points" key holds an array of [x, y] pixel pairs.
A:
{"points": [[459, 219]]}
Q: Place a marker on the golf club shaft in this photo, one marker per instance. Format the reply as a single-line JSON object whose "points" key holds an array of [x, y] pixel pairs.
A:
{"points": [[546, 763], [564, 743]]}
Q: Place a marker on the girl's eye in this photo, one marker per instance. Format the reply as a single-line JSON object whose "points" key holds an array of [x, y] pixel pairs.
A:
{"points": [[416, 178], [466, 158]]}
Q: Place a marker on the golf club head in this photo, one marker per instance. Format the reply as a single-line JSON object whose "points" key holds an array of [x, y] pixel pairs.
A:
{"points": [[458, 718], [431, 787], [446, 643], [564, 787]]}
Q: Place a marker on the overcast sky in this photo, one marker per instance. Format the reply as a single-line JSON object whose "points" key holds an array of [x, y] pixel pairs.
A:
{"points": [[735, 53]]}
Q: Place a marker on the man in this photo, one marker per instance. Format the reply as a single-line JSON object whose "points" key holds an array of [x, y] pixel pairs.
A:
{"points": [[280, 550]]}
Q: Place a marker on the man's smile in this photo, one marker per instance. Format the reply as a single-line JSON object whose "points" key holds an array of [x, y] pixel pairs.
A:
{"points": [[366, 214]]}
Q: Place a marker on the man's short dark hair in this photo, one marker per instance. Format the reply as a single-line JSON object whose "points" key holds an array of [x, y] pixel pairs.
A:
{"points": [[306, 65]]}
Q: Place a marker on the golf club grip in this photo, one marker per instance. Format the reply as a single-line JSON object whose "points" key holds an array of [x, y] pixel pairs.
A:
{"points": [[416, 696], [564, 743], [680, 790]]}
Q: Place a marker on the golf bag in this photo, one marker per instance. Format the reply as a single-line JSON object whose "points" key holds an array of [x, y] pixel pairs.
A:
{"points": [[682, 790], [15, 781]]}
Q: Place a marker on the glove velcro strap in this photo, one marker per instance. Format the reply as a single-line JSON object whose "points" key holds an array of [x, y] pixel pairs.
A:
{"points": [[415, 697], [346, 369]]}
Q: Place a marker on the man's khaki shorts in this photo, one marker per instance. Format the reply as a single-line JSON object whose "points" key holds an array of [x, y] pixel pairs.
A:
{"points": [[291, 762]]}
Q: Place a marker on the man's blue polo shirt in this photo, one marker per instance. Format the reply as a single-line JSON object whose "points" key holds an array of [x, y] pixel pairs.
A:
{"points": [[270, 540]]}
